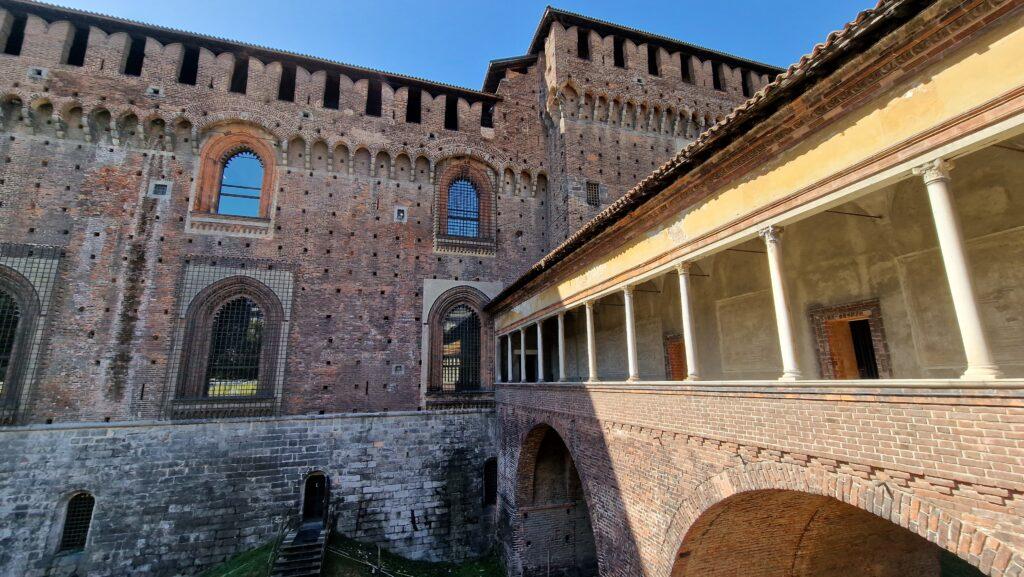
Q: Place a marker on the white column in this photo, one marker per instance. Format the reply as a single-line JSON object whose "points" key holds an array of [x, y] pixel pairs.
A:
{"points": [[511, 373], [561, 346], [540, 353], [634, 372], [689, 343], [591, 343], [783, 319], [980, 364], [522, 355]]}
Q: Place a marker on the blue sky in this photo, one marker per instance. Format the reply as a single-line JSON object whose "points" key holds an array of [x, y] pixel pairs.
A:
{"points": [[452, 41]]}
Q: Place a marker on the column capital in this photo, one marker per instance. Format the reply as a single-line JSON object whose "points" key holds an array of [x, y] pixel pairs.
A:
{"points": [[589, 305], [561, 314], [770, 234], [935, 170], [628, 289], [684, 268]]}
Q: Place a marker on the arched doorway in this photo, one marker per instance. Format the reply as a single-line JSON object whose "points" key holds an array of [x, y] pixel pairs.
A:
{"points": [[555, 536], [315, 497], [783, 533]]}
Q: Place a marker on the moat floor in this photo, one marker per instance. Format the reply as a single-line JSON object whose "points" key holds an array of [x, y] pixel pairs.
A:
{"points": [[347, 558]]}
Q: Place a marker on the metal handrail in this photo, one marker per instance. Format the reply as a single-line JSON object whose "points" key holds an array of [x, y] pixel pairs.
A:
{"points": [[289, 522]]}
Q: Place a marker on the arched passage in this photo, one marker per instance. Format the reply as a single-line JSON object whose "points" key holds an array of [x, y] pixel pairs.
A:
{"points": [[883, 506], [794, 534], [555, 535]]}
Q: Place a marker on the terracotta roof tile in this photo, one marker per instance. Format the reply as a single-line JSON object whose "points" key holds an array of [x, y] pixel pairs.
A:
{"points": [[784, 88]]}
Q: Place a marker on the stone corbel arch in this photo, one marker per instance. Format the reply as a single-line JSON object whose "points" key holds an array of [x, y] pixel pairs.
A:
{"points": [[919, 516], [217, 150]]}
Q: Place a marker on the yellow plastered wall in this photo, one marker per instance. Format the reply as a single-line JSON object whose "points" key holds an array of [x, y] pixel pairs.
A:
{"points": [[981, 70]]}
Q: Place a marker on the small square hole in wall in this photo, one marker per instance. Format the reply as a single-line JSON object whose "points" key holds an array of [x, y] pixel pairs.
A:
{"points": [[398, 370], [401, 214], [155, 91], [37, 73], [160, 188]]}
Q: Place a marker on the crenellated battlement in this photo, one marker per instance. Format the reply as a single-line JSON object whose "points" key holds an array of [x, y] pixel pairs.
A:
{"points": [[162, 62]]}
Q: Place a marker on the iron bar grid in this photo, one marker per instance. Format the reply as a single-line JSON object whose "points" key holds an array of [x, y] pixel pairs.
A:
{"points": [[236, 340], [76, 522], [460, 351], [463, 209], [9, 318]]}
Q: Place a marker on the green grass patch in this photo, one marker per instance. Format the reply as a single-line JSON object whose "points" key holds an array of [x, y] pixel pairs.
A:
{"points": [[254, 563], [357, 559]]}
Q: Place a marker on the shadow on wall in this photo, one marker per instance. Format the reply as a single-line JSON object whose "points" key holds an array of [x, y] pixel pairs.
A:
{"points": [[795, 534]]}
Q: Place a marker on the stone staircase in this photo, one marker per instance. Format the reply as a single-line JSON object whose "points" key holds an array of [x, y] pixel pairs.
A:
{"points": [[301, 553]]}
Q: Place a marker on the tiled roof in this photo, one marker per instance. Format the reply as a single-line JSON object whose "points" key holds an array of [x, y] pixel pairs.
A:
{"points": [[838, 48]]}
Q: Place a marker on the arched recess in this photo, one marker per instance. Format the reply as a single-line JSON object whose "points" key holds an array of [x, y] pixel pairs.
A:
{"points": [[768, 519], [457, 300], [199, 319], [224, 143], [18, 322], [553, 533], [459, 178]]}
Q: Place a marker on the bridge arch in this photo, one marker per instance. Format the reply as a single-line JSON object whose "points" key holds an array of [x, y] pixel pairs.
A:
{"points": [[553, 532], [768, 519]]}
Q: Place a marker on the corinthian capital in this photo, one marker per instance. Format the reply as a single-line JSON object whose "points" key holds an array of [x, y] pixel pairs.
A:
{"points": [[935, 170], [770, 234]]}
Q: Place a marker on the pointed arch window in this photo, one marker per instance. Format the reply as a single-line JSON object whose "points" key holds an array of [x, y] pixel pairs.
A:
{"points": [[241, 185], [463, 209], [10, 315], [236, 340]]}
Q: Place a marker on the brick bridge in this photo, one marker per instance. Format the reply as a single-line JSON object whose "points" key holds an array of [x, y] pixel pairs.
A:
{"points": [[815, 479]]}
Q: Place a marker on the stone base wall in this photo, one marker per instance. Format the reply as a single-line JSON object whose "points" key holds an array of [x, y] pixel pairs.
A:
{"points": [[173, 499]]}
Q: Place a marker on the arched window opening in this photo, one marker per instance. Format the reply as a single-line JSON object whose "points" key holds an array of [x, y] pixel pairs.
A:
{"points": [[241, 184], [460, 351], [490, 482], [10, 315], [316, 496], [77, 520], [236, 339], [463, 209]]}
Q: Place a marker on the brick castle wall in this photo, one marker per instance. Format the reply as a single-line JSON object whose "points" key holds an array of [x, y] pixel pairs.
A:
{"points": [[943, 464]]}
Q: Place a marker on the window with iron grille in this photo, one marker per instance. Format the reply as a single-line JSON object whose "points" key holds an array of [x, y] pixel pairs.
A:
{"points": [[593, 194], [9, 317], [236, 340], [460, 351], [463, 209], [76, 522], [241, 184]]}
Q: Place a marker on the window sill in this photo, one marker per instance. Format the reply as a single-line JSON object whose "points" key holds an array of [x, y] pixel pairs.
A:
{"points": [[480, 398], [225, 407], [465, 245], [213, 223]]}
